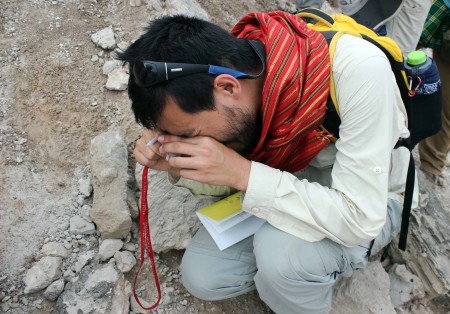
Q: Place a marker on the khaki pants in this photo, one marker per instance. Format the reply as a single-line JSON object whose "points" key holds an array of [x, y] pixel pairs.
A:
{"points": [[291, 275], [433, 150]]}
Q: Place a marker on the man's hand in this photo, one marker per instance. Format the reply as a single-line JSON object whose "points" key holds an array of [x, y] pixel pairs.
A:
{"points": [[149, 155], [205, 160]]}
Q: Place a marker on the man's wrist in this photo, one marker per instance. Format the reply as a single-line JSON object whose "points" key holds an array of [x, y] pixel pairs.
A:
{"points": [[243, 175]]}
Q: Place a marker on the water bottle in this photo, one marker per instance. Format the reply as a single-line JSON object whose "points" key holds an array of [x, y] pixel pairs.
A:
{"points": [[422, 73], [425, 103]]}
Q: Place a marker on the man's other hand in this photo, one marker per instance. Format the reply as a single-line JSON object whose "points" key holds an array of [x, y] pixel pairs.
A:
{"points": [[205, 160]]}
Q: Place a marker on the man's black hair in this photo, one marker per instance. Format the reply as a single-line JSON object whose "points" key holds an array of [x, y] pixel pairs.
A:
{"points": [[185, 40]]}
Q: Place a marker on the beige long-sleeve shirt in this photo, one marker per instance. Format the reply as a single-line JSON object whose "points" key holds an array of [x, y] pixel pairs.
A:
{"points": [[342, 195]]}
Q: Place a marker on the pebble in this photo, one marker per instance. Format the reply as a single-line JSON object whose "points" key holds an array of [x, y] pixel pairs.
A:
{"points": [[14, 305], [80, 200], [68, 275], [129, 247], [82, 242], [54, 290], [5, 307]]}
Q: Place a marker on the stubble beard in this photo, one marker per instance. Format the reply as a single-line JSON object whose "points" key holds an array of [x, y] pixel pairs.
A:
{"points": [[243, 132]]}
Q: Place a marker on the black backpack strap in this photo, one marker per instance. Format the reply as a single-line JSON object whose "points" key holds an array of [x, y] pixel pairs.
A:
{"points": [[332, 119], [407, 202], [316, 15], [396, 66]]}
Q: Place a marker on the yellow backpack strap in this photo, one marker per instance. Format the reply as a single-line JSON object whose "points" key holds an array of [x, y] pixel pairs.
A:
{"points": [[333, 120], [332, 49], [324, 24]]}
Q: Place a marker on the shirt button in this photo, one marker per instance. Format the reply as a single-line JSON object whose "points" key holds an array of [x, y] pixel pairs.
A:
{"points": [[255, 209], [377, 170]]}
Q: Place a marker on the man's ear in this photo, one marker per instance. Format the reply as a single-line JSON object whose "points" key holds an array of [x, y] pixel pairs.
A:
{"points": [[227, 85]]}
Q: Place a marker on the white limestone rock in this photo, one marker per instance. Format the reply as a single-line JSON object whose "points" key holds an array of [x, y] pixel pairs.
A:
{"points": [[111, 65], [42, 274], [104, 38], [54, 249], [109, 164], [99, 289], [54, 290], [366, 291], [85, 186], [108, 248], [83, 259], [125, 261], [78, 225], [172, 216], [117, 80], [405, 286]]}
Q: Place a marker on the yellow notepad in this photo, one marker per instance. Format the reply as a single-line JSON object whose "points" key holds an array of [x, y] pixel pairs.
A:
{"points": [[223, 208]]}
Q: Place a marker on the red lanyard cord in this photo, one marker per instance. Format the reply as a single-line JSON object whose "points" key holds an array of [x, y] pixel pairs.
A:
{"points": [[145, 240]]}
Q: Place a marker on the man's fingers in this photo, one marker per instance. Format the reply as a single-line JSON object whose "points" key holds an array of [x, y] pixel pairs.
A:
{"points": [[195, 146], [167, 138], [156, 164], [148, 151], [183, 148], [155, 149], [140, 158]]}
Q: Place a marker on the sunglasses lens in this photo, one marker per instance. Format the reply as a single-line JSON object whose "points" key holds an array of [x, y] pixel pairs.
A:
{"points": [[145, 74], [138, 73]]}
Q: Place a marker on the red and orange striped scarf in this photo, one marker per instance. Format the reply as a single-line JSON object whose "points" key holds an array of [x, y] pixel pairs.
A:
{"points": [[295, 90]]}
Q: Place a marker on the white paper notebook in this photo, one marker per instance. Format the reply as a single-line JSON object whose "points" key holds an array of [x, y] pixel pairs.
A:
{"points": [[227, 223]]}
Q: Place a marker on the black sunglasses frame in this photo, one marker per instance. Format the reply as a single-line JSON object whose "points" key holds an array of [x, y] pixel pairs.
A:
{"points": [[151, 73]]}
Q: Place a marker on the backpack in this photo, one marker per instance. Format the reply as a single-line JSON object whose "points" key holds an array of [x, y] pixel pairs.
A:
{"points": [[424, 111]]}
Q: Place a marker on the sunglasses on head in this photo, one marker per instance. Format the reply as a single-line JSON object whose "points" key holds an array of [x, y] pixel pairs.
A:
{"points": [[151, 73]]}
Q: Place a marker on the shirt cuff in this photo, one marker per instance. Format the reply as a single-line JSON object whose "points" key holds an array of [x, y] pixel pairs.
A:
{"points": [[261, 189]]}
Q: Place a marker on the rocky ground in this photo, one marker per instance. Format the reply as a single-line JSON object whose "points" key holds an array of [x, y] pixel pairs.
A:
{"points": [[60, 89]]}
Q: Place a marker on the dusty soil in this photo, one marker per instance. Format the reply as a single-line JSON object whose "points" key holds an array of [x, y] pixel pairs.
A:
{"points": [[52, 103]]}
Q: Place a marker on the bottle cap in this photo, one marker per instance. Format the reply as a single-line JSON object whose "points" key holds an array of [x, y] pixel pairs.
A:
{"points": [[416, 57]]}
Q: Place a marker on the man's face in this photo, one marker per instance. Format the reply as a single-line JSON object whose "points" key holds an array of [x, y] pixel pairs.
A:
{"points": [[233, 126]]}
